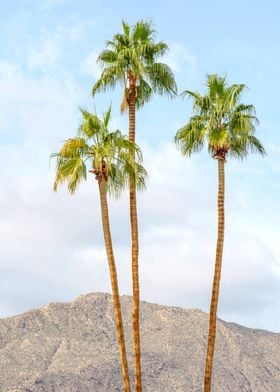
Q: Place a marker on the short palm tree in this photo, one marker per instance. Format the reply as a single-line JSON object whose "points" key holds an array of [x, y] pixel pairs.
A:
{"points": [[109, 156], [131, 59], [227, 127]]}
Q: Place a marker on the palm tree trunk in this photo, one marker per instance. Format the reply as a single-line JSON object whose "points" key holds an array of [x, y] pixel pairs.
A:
{"points": [[217, 276], [114, 282], [134, 246]]}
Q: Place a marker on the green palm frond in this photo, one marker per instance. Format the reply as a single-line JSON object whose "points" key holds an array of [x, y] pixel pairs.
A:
{"points": [[190, 138], [217, 138], [122, 173], [245, 109], [158, 50], [161, 78], [107, 116], [73, 148], [126, 28], [241, 147], [233, 95], [216, 86], [70, 170], [90, 125], [201, 103], [138, 175], [107, 56], [151, 52], [135, 52], [191, 94], [144, 93], [220, 120], [255, 145], [107, 150], [143, 31], [124, 103], [110, 76]]}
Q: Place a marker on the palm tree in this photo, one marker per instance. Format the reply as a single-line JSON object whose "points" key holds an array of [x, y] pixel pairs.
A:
{"points": [[131, 59], [228, 127], [109, 156]]}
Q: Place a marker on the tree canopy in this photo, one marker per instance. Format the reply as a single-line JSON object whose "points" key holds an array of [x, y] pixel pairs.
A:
{"points": [[220, 120]]}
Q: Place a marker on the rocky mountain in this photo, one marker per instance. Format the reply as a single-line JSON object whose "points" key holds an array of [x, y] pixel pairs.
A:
{"points": [[72, 347]]}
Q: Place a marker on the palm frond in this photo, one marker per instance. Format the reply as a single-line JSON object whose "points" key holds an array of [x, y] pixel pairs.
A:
{"points": [[110, 155], [248, 109], [201, 103], [124, 103], [110, 76], [144, 93], [220, 119], [135, 52], [255, 145], [90, 125], [139, 176], [70, 170], [143, 31], [190, 138], [158, 50], [216, 86], [161, 79], [107, 116], [126, 28], [74, 147], [107, 56], [218, 138], [233, 95]]}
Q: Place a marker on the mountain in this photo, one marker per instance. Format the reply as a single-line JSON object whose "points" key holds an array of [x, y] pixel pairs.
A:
{"points": [[72, 347]]}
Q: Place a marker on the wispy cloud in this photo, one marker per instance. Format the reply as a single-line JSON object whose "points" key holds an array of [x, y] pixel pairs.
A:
{"points": [[59, 239], [45, 57], [89, 66], [8, 70], [180, 60]]}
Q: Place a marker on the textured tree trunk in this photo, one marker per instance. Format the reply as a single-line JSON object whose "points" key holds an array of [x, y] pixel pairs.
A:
{"points": [[134, 245], [217, 276], [114, 282]]}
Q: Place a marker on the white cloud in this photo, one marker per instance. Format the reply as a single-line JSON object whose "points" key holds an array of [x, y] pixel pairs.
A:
{"points": [[34, 111], [89, 65], [180, 60], [74, 30], [8, 70], [45, 56], [59, 249], [52, 244], [48, 49]]}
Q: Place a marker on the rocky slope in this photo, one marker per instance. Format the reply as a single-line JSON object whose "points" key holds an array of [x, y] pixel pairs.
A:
{"points": [[71, 347]]}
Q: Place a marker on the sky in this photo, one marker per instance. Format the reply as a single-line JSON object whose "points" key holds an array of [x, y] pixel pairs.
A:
{"points": [[52, 243]]}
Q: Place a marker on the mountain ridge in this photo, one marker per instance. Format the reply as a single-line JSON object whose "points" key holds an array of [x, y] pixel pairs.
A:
{"points": [[72, 347]]}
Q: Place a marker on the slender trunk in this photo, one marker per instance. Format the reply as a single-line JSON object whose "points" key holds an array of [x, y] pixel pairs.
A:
{"points": [[114, 282], [134, 247], [217, 276]]}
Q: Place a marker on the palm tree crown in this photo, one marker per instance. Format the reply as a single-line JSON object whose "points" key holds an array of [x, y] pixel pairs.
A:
{"points": [[219, 118], [107, 154], [132, 57]]}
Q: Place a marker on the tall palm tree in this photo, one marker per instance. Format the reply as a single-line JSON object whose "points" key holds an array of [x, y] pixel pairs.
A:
{"points": [[227, 126], [131, 59], [109, 156]]}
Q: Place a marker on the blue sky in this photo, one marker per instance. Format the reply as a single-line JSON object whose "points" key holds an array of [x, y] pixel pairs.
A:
{"points": [[52, 246]]}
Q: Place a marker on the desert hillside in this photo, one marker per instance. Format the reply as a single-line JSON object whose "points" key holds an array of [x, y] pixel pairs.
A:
{"points": [[71, 347]]}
